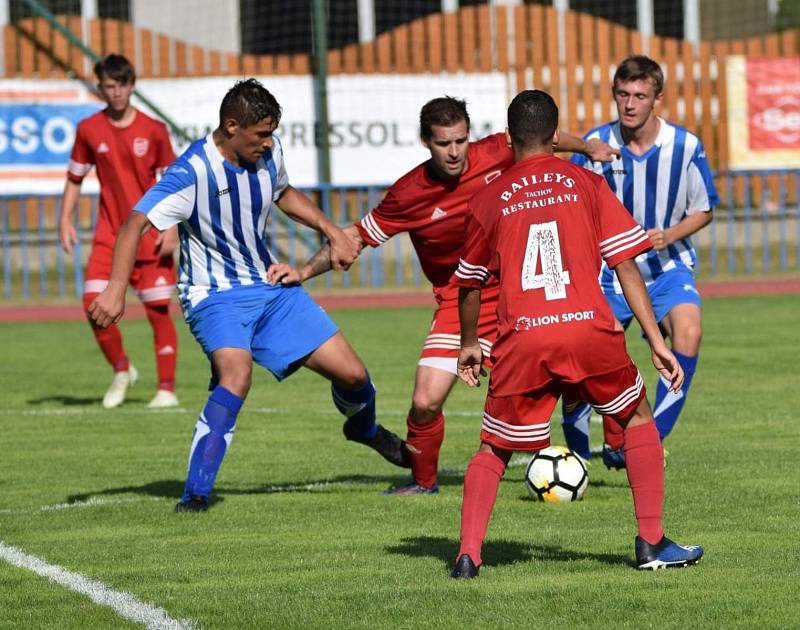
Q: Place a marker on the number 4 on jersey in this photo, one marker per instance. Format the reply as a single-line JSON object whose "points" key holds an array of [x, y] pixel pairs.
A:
{"points": [[543, 244]]}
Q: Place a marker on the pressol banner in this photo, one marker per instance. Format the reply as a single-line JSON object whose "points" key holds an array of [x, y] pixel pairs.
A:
{"points": [[373, 122]]}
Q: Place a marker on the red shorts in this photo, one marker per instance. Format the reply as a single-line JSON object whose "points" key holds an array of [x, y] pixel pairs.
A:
{"points": [[153, 280], [522, 423], [443, 343]]}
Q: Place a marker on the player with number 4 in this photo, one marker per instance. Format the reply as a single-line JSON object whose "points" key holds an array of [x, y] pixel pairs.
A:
{"points": [[542, 229]]}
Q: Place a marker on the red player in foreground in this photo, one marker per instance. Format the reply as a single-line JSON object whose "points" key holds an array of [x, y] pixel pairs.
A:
{"points": [[542, 229], [128, 149], [430, 203]]}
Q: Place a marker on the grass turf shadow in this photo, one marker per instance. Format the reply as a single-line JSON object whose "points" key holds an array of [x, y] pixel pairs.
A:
{"points": [[497, 553]]}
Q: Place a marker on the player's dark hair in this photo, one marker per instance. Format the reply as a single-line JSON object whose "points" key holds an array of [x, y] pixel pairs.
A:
{"points": [[532, 118], [248, 103], [115, 67], [637, 68], [444, 111]]}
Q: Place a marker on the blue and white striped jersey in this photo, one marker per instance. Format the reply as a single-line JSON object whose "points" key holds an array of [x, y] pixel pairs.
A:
{"points": [[669, 182], [221, 210]]}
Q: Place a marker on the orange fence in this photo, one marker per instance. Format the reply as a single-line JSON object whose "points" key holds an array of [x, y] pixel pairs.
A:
{"points": [[522, 41]]}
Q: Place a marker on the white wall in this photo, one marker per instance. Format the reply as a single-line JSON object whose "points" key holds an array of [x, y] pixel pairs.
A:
{"points": [[213, 24]]}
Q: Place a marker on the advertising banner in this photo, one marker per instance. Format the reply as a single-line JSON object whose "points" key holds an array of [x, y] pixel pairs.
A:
{"points": [[763, 112], [373, 122]]}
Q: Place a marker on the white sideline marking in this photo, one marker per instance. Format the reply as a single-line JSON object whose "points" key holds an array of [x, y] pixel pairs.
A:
{"points": [[95, 411], [124, 604], [92, 502]]}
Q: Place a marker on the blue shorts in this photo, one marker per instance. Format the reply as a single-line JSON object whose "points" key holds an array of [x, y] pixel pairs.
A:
{"points": [[278, 325], [666, 292]]}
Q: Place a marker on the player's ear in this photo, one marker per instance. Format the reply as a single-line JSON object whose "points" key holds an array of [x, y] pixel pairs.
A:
{"points": [[231, 126], [508, 137], [556, 136]]}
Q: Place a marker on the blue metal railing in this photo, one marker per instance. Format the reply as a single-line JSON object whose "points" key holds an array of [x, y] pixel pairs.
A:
{"points": [[747, 237]]}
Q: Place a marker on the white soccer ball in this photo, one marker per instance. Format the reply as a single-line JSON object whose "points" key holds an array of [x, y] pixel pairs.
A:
{"points": [[556, 474]]}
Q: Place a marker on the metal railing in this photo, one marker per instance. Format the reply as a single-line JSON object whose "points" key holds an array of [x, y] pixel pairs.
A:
{"points": [[747, 237]]}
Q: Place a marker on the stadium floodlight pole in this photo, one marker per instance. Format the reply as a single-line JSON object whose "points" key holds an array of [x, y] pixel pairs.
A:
{"points": [[691, 22], [39, 9], [366, 21], [320, 44], [4, 11], [644, 22]]}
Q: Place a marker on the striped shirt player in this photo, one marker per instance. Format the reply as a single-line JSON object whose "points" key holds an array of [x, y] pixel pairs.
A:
{"points": [[670, 181], [222, 211], [543, 229], [219, 193]]}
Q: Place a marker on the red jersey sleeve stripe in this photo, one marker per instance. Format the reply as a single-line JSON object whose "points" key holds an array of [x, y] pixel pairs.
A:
{"points": [[76, 169], [608, 253], [373, 229], [622, 236]]}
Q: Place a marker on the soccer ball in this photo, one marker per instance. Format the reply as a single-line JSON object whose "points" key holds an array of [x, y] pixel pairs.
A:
{"points": [[556, 474]]}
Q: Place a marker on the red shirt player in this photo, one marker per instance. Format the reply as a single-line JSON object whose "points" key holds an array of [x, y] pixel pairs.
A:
{"points": [[543, 229], [430, 203], [128, 149]]}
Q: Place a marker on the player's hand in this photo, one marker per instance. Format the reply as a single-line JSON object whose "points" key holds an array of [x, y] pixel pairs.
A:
{"points": [[344, 251], [599, 151], [167, 242], [470, 367], [668, 366], [283, 273], [107, 307], [67, 236], [659, 238]]}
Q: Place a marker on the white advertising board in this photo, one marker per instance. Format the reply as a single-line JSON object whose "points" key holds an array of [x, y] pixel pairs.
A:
{"points": [[373, 133]]}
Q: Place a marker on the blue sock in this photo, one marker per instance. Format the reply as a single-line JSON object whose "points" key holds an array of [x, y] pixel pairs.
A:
{"points": [[212, 437], [576, 428], [668, 404], [358, 406]]}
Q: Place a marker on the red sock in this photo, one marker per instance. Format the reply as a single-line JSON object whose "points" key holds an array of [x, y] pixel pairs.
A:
{"points": [[480, 491], [613, 433], [427, 440], [644, 463], [109, 339], [165, 339]]}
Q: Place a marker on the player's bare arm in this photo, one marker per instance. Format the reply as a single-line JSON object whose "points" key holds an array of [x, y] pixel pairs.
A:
{"points": [[318, 264], [167, 242], [66, 229], [594, 148], [639, 301], [686, 227], [470, 358], [107, 308], [343, 251]]}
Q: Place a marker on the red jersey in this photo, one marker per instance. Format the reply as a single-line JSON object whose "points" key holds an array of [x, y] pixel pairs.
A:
{"points": [[434, 212], [543, 229], [127, 159]]}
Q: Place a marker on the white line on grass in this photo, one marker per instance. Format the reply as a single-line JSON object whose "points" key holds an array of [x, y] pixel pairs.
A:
{"points": [[124, 604], [92, 502], [95, 411]]}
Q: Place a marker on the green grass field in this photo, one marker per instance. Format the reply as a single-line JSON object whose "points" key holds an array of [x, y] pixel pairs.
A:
{"points": [[299, 535]]}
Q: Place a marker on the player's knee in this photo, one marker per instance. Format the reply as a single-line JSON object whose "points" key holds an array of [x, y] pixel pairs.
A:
{"points": [[424, 407], [687, 339], [237, 379], [353, 375]]}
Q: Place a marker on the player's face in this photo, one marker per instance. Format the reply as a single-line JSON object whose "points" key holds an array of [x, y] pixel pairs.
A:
{"points": [[250, 143], [116, 94], [636, 101], [448, 147]]}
